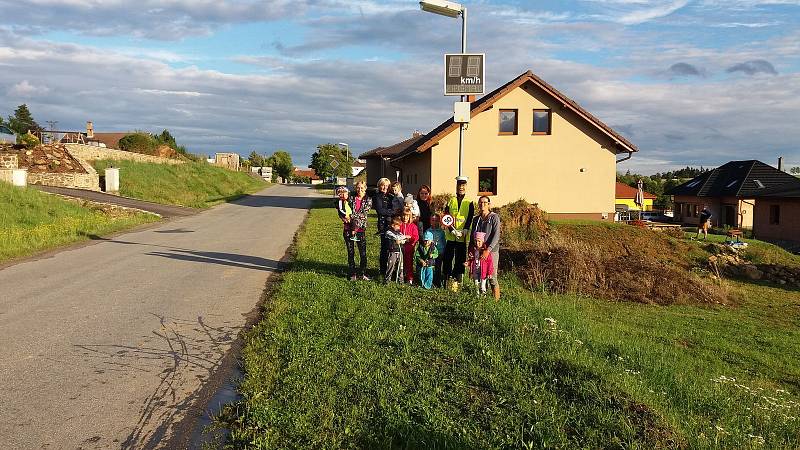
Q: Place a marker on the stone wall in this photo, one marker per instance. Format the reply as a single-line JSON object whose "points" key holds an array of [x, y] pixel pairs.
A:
{"points": [[88, 181], [6, 176], [8, 161], [92, 153]]}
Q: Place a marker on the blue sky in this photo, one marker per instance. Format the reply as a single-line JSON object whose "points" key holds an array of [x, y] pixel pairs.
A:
{"points": [[690, 82]]}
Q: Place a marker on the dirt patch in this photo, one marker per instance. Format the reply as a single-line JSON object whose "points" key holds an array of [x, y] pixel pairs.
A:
{"points": [[603, 260], [51, 158]]}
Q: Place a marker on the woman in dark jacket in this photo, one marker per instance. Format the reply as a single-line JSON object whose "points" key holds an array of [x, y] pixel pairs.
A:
{"points": [[382, 203], [424, 202]]}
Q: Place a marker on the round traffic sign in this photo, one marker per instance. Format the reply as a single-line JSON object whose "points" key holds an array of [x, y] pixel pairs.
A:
{"points": [[447, 220]]}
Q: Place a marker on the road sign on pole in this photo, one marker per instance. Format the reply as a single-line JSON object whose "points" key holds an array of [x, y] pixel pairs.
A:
{"points": [[464, 73]]}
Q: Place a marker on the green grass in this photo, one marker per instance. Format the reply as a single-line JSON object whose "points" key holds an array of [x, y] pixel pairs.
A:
{"points": [[337, 364], [196, 185], [32, 221]]}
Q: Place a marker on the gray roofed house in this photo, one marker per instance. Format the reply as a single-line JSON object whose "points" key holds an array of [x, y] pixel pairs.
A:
{"points": [[730, 192]]}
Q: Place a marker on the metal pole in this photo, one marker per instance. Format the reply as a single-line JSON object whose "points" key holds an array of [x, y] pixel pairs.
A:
{"points": [[463, 97]]}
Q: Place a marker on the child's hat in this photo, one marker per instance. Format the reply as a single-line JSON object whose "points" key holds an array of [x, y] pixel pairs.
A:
{"points": [[480, 235], [409, 198], [427, 236], [341, 189]]}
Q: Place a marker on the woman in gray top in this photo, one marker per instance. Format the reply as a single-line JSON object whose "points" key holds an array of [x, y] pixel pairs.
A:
{"points": [[489, 222]]}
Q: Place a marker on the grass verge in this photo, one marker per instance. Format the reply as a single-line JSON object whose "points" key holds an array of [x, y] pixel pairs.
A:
{"points": [[196, 185], [340, 364], [32, 221]]}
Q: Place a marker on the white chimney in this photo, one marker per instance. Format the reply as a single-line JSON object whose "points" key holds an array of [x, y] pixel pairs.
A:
{"points": [[89, 130]]}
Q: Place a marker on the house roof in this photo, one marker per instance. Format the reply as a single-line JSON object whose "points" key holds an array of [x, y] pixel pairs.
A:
{"points": [[310, 173], [788, 190], [111, 140], [625, 191], [743, 179], [392, 150], [427, 141]]}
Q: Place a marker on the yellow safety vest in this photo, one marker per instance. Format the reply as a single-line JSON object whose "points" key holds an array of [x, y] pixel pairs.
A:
{"points": [[460, 215]]}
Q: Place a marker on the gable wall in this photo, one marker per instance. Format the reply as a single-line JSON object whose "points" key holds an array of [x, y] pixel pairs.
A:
{"points": [[540, 169]]}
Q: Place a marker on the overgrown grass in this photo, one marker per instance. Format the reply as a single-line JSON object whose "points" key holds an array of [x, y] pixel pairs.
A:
{"points": [[197, 185], [340, 364], [32, 221]]}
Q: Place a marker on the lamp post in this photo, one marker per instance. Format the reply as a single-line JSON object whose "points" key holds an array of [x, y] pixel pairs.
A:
{"points": [[452, 10]]}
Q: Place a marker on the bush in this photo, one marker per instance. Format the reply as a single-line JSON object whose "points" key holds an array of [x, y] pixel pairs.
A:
{"points": [[138, 143], [28, 140], [439, 201], [521, 222]]}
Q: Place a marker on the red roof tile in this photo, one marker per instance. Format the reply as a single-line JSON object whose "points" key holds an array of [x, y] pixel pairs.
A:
{"points": [[625, 191]]}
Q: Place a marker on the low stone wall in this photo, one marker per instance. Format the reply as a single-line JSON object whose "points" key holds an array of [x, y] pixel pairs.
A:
{"points": [[93, 153], [8, 161], [6, 175], [88, 181]]}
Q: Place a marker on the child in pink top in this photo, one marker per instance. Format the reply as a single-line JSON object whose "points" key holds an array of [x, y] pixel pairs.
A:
{"points": [[480, 269], [409, 228]]}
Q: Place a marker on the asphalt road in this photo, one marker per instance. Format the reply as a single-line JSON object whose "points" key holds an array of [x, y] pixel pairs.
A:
{"points": [[107, 345]]}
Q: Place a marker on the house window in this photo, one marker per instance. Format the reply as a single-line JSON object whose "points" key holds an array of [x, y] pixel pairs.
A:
{"points": [[541, 121], [508, 121], [487, 180], [774, 214], [694, 210]]}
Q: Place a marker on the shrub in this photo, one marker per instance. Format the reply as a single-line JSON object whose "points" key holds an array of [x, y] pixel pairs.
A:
{"points": [[521, 222], [439, 201], [138, 143], [28, 140]]}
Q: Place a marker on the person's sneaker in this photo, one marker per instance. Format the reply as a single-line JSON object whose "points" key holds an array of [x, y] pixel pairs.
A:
{"points": [[353, 278], [365, 278]]}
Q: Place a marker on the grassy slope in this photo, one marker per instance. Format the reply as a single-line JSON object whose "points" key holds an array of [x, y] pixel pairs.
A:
{"points": [[31, 221], [197, 185], [341, 364]]}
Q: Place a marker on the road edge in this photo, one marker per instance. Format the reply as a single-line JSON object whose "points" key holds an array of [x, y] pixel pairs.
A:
{"points": [[185, 430]]}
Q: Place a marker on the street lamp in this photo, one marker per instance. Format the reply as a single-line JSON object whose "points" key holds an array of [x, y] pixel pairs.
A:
{"points": [[453, 10]]}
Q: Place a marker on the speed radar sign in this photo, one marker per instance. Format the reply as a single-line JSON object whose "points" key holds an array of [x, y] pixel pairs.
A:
{"points": [[447, 220]]}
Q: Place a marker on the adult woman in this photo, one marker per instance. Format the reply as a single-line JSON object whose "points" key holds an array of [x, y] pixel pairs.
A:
{"points": [[360, 204], [424, 202], [382, 202], [489, 222]]}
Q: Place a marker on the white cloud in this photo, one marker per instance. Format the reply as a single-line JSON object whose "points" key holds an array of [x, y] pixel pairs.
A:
{"points": [[24, 89]]}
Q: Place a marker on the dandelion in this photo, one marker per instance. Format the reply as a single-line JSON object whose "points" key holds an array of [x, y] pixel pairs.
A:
{"points": [[550, 321], [578, 341]]}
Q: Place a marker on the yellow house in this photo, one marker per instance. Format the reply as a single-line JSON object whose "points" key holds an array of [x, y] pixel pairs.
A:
{"points": [[525, 140], [626, 196]]}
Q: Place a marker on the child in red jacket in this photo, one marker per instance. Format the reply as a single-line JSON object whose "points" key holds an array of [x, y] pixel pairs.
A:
{"points": [[409, 228]]}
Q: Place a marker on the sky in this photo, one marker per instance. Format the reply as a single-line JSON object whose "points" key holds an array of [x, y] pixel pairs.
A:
{"points": [[690, 82]]}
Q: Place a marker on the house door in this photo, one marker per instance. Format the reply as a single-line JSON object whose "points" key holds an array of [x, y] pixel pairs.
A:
{"points": [[729, 216]]}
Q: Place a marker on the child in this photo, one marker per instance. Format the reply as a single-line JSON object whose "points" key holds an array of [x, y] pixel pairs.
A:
{"points": [[412, 204], [410, 230], [398, 202], [480, 269], [427, 254], [345, 212], [439, 241], [395, 239]]}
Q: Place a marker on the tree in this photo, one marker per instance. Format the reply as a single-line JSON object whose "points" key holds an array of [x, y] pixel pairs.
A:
{"points": [[330, 160], [255, 159], [281, 163], [22, 120]]}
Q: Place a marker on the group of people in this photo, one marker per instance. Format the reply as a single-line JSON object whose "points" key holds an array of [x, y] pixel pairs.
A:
{"points": [[418, 244]]}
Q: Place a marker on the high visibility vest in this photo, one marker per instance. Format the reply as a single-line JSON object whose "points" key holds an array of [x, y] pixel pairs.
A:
{"points": [[460, 215]]}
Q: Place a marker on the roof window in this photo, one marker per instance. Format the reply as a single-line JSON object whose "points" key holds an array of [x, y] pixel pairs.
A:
{"points": [[693, 183], [759, 184], [732, 183]]}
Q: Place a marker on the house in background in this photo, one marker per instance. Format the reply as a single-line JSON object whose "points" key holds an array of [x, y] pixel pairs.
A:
{"points": [[777, 215], [309, 173], [729, 191], [626, 199], [227, 160], [526, 140]]}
